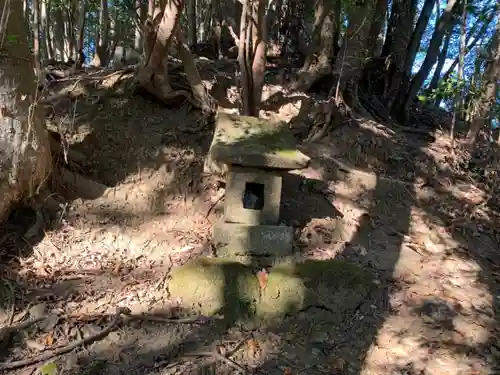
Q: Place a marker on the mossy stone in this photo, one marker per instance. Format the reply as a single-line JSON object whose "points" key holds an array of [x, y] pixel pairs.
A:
{"points": [[211, 286], [284, 293]]}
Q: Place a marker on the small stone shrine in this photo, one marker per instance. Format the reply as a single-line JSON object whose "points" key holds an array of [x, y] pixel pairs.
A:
{"points": [[253, 154]]}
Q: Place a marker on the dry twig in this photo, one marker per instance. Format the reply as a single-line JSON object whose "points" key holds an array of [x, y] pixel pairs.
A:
{"points": [[216, 356], [66, 349]]}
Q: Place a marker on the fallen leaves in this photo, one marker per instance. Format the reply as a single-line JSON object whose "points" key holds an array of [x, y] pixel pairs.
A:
{"points": [[253, 348], [263, 277]]}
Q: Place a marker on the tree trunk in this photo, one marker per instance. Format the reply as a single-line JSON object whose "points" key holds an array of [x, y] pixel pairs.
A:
{"points": [[46, 28], [322, 39], [36, 39], [199, 92], [138, 34], [102, 39], [491, 78], [259, 57], [440, 64], [243, 61], [153, 75], [416, 38], [457, 105], [395, 50], [25, 161], [192, 31], [69, 32], [59, 33], [82, 16], [376, 37], [352, 55], [444, 25]]}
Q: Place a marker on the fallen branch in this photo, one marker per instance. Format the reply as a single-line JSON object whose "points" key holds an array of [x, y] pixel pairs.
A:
{"points": [[213, 205], [68, 348]]}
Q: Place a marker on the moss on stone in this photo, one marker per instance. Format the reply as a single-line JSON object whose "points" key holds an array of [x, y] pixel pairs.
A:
{"points": [[216, 286], [284, 293]]}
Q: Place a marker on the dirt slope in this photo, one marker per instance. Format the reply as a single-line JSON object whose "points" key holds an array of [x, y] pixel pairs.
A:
{"points": [[413, 219]]}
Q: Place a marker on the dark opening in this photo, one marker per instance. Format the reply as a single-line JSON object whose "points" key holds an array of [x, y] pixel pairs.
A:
{"points": [[253, 196]]}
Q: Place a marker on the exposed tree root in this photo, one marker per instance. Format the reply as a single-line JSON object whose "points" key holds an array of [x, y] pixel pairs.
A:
{"points": [[81, 186], [308, 77]]}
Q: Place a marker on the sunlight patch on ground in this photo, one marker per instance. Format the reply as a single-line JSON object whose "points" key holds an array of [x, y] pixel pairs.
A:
{"points": [[446, 305]]}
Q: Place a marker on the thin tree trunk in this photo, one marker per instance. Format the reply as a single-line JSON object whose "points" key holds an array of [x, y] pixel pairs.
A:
{"points": [[416, 38], [102, 40], [440, 64], [259, 57], [36, 38], [192, 30], [46, 18], [470, 45], [59, 33], [458, 98], [82, 16], [491, 78], [138, 34]]}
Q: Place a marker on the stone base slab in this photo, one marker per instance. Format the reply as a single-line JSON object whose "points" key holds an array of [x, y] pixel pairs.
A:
{"points": [[248, 243]]}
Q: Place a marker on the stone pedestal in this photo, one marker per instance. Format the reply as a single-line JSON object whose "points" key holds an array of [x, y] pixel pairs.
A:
{"points": [[253, 244]]}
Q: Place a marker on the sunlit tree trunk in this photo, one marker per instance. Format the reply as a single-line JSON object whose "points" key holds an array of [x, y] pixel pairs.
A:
{"points": [[36, 38], [48, 38]]}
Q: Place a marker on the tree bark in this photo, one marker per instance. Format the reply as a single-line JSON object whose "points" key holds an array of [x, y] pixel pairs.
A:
{"points": [[440, 64], [416, 37], [375, 37], [82, 16], [395, 50], [36, 39], [138, 33], [25, 162], [102, 39], [199, 92], [352, 55], [191, 15], [259, 57], [153, 75], [491, 78], [243, 61], [46, 28], [59, 33]]}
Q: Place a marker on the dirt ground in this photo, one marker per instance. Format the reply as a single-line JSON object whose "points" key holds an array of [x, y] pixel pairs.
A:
{"points": [[412, 219]]}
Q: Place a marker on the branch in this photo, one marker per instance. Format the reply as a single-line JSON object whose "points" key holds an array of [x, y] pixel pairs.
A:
{"points": [[66, 349]]}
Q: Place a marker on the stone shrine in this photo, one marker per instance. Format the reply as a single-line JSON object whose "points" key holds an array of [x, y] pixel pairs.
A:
{"points": [[253, 154]]}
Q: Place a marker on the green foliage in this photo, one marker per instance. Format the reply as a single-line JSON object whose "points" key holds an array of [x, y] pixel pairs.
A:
{"points": [[450, 88], [48, 369]]}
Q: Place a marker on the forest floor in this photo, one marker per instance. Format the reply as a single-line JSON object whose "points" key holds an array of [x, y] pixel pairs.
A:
{"points": [[412, 215]]}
